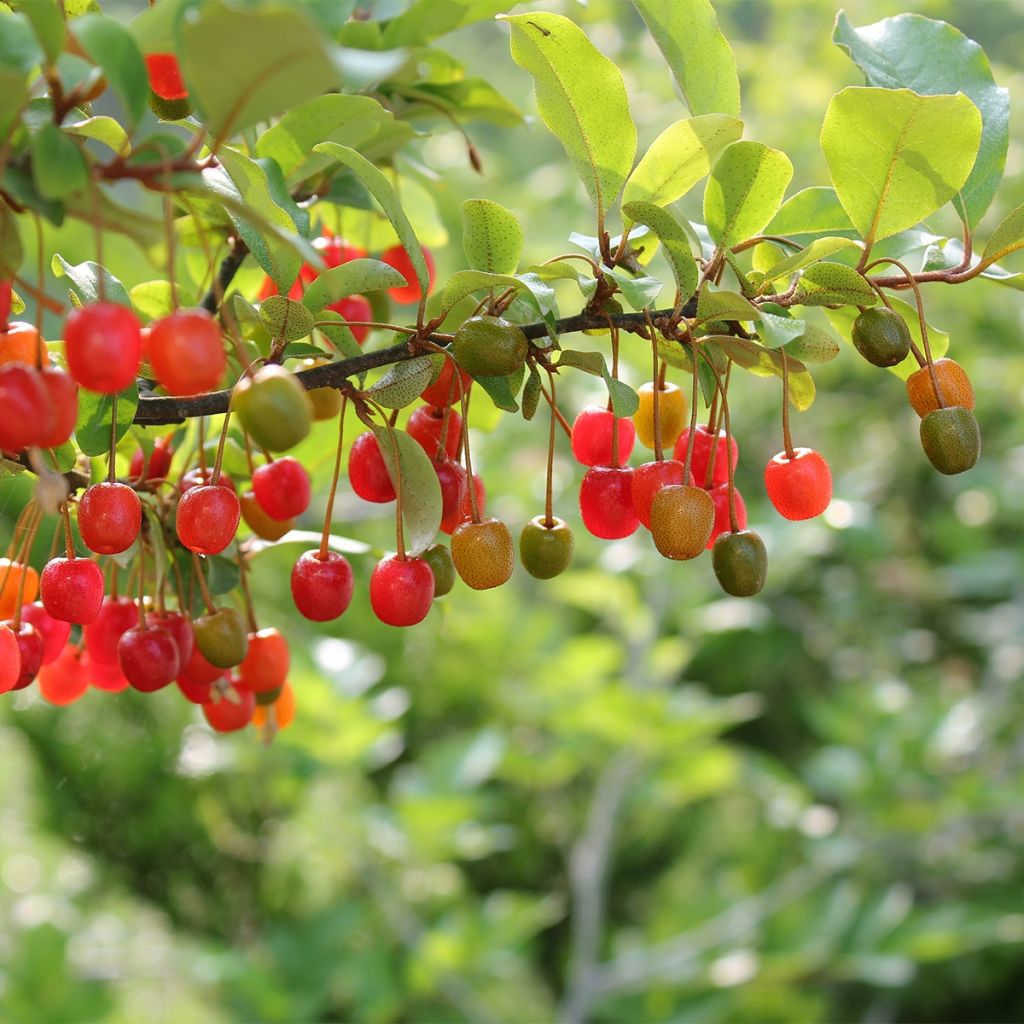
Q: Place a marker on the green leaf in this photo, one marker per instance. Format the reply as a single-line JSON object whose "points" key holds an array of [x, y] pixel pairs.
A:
{"points": [[1007, 238], [352, 278], [724, 305], [466, 282], [421, 492], [624, 399], [285, 318], [833, 284], [503, 390], [531, 394], [700, 57], [103, 129], [11, 252], [92, 429], [467, 99], [491, 237], [48, 25], [19, 54], [403, 383], [744, 191], [581, 98], [674, 241], [340, 336], [812, 211], [113, 48], [817, 250], [814, 345], [152, 299], [384, 192], [679, 157], [85, 280], [58, 165], [934, 58], [767, 362], [426, 20], [278, 60], [896, 157], [777, 331], [350, 120]]}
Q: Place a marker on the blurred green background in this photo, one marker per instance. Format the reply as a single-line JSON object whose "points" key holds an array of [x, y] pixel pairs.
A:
{"points": [[618, 795]]}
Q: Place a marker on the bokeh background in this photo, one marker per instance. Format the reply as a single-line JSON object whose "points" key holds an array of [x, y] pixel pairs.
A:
{"points": [[618, 795]]}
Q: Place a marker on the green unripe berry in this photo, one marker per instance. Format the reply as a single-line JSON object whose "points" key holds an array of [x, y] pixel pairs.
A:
{"points": [[951, 439], [274, 408], [169, 110], [490, 346], [439, 558], [545, 550], [881, 336], [221, 637], [740, 561]]}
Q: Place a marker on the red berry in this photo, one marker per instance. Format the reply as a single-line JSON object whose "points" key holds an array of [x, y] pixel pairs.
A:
{"points": [[103, 346], [54, 632], [367, 471], [356, 309], [200, 693], [606, 502], [27, 410], [398, 258], [465, 510], [165, 76], [401, 590], [65, 679], [441, 393], [109, 678], [452, 478], [321, 587], [62, 393], [186, 352], [31, 646], [200, 477], [72, 589], [282, 488], [592, 437], [800, 487], [265, 667], [425, 426], [109, 518], [648, 479], [720, 496], [197, 671], [337, 251], [207, 518], [10, 659], [116, 616], [148, 658], [232, 711], [156, 465], [180, 628], [703, 440]]}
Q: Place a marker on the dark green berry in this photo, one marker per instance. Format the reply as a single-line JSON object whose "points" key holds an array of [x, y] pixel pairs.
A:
{"points": [[740, 561], [545, 549], [951, 439], [489, 346], [881, 336]]}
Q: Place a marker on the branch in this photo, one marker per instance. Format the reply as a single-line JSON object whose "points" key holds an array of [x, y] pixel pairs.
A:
{"points": [[225, 275]]}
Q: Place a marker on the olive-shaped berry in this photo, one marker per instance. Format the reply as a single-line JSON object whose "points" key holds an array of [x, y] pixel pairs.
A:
{"points": [[951, 439], [740, 561], [545, 549], [881, 336], [490, 346]]}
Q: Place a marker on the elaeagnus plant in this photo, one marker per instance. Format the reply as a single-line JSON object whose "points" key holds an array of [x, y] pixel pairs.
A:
{"points": [[171, 422]]}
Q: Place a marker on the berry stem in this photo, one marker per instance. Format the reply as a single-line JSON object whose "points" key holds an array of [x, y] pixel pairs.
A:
{"points": [[693, 407], [787, 440], [334, 480], [203, 588], [562, 421], [112, 461], [657, 385], [549, 520], [69, 539], [201, 431], [398, 481], [615, 376], [243, 579], [41, 272], [26, 549], [723, 389], [97, 231], [142, 587]]}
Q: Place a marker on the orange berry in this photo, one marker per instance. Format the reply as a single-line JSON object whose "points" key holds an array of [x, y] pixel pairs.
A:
{"points": [[281, 712], [954, 384], [18, 344], [10, 578]]}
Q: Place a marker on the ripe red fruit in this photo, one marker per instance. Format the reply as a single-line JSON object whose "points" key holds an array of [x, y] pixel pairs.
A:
{"points": [[442, 393], [336, 250], [648, 479], [116, 616], [200, 477], [31, 646], [356, 309], [207, 519], [606, 502], [321, 587], [62, 394], [401, 590], [367, 471], [27, 413], [465, 510], [703, 440], [108, 678], [109, 518], [452, 478], [156, 465], [720, 496], [179, 626], [197, 671], [54, 632], [10, 659], [64, 680], [165, 76], [72, 589], [186, 352], [398, 258], [233, 711], [282, 488], [103, 346], [592, 437], [200, 693], [265, 667], [799, 487], [148, 658], [425, 425]]}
